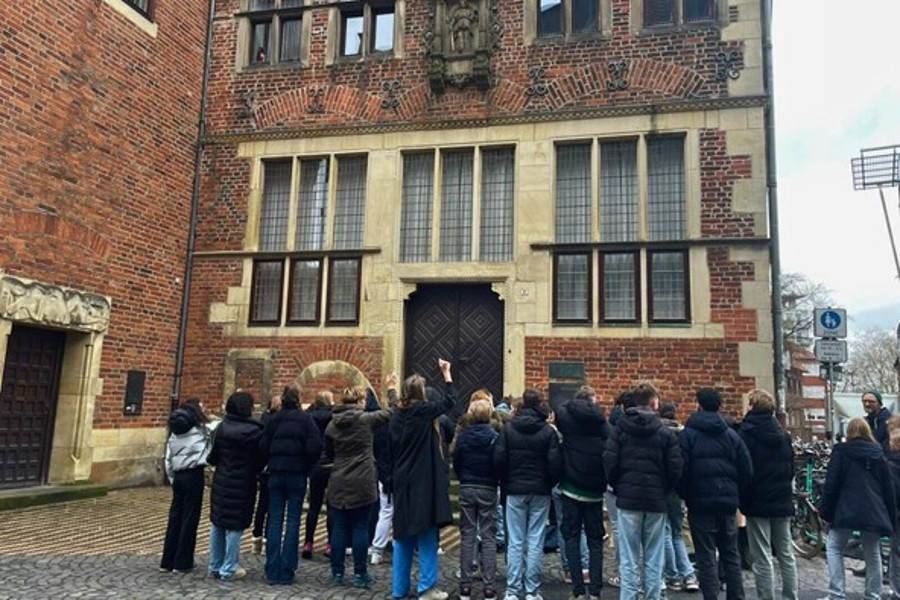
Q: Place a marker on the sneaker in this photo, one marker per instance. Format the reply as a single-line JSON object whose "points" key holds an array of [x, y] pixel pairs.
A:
{"points": [[337, 579], [576, 597], [593, 597], [257, 545], [239, 574], [535, 596], [375, 557], [465, 592], [362, 580], [306, 553], [164, 570], [213, 574], [675, 585], [567, 577], [510, 596], [489, 592], [586, 575], [614, 581], [184, 571], [434, 594], [691, 584]]}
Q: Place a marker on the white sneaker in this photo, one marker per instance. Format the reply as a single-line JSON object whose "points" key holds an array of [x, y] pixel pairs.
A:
{"points": [[510, 596], [434, 594], [375, 557], [536, 596]]}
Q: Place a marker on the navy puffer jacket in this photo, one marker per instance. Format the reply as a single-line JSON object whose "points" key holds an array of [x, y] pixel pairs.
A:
{"points": [[291, 443], [584, 433], [235, 454], [859, 490], [473, 454], [717, 465], [526, 455], [771, 493], [642, 461]]}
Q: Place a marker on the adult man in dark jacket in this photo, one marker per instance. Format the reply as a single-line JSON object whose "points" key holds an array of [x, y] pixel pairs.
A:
{"points": [[643, 463], [717, 467], [528, 460], [768, 501], [291, 445], [584, 433], [876, 416]]}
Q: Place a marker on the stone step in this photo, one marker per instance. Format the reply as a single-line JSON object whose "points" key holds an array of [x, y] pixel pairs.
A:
{"points": [[49, 494]]}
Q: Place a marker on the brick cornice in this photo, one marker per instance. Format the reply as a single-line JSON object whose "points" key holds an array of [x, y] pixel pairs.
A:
{"points": [[674, 106]]}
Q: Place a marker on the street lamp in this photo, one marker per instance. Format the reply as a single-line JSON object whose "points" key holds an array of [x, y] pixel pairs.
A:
{"points": [[879, 168]]}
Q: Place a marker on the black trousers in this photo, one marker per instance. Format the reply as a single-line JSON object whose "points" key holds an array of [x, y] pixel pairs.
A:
{"points": [[589, 515], [711, 533], [262, 507], [318, 483], [184, 517]]}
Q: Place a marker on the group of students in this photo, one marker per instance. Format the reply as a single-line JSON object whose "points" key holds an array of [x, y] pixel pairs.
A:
{"points": [[392, 460]]}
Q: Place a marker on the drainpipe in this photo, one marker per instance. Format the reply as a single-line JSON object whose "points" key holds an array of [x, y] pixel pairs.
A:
{"points": [[195, 208], [772, 189]]}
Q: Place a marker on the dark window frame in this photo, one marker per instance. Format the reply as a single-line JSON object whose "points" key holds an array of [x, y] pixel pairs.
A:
{"points": [[567, 27], [254, 282], [678, 12], [638, 292], [329, 319], [589, 317], [686, 265], [272, 16], [290, 294], [368, 10]]}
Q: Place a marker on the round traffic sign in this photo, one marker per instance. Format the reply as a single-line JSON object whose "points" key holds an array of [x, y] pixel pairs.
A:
{"points": [[830, 320]]}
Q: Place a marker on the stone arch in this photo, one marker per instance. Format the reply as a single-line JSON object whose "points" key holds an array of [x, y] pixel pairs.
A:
{"points": [[292, 107], [330, 372]]}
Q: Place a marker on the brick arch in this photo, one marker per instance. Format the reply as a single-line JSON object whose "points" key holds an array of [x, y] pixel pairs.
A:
{"points": [[332, 375], [662, 79], [62, 230], [292, 107]]}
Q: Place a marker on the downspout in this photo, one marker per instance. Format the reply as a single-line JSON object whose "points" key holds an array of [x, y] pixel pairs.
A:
{"points": [[772, 189], [195, 209]]}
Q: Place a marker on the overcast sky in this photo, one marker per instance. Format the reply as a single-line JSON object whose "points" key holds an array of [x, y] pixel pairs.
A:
{"points": [[837, 90]]}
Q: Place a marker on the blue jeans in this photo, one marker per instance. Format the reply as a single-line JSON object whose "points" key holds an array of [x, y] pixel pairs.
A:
{"points": [[350, 523], [427, 542], [286, 492], [525, 520], [224, 550], [641, 534], [871, 547], [678, 565]]}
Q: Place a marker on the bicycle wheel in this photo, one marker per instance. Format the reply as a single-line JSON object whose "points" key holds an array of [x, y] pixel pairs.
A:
{"points": [[806, 529]]}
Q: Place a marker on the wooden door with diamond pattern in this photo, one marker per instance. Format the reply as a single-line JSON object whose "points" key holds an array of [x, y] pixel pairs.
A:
{"points": [[459, 323], [28, 400]]}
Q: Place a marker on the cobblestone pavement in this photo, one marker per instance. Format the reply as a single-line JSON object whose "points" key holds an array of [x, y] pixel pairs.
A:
{"points": [[109, 548]]}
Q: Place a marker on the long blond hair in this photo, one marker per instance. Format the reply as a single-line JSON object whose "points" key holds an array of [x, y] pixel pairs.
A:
{"points": [[859, 428]]}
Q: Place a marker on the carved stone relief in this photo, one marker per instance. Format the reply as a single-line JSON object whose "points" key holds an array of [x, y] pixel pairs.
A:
{"points": [[463, 36], [32, 302]]}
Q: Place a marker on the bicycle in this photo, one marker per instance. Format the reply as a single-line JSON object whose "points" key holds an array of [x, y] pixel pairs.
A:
{"points": [[807, 530]]}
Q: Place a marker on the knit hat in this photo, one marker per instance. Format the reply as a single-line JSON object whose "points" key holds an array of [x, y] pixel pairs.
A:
{"points": [[877, 395], [709, 399]]}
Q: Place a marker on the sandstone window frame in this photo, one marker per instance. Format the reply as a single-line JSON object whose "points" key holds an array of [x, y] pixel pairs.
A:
{"points": [[145, 8], [273, 34], [369, 23], [678, 20], [532, 28], [629, 214], [309, 231]]}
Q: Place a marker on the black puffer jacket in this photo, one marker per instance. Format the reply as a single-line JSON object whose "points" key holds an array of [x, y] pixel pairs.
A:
{"points": [[527, 456], [770, 493], [291, 443], [717, 465], [235, 454], [473, 450], [859, 491], [584, 433], [322, 417], [642, 461]]}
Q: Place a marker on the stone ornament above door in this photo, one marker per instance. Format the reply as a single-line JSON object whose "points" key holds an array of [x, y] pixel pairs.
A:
{"points": [[31, 302]]}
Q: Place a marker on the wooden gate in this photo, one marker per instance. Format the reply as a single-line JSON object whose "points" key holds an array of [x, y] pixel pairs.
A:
{"points": [[28, 404], [462, 324]]}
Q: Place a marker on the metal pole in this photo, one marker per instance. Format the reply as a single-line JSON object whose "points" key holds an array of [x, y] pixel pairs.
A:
{"points": [[887, 222], [829, 397]]}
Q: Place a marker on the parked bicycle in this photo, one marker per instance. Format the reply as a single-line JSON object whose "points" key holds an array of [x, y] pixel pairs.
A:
{"points": [[807, 530]]}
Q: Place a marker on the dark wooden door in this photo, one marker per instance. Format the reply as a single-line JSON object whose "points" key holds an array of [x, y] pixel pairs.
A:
{"points": [[28, 404], [459, 323]]}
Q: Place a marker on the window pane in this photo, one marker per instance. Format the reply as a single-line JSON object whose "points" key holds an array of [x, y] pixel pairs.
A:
{"points": [[618, 191], [353, 33], [290, 40], [304, 300], [259, 46], [620, 301], [550, 18], [261, 4], [142, 6], [266, 293], [573, 194], [456, 205], [667, 279], [658, 12], [665, 188], [418, 195], [313, 204], [343, 290], [699, 10], [572, 287], [276, 199], [497, 179], [383, 36], [291, 3], [349, 212], [584, 16]]}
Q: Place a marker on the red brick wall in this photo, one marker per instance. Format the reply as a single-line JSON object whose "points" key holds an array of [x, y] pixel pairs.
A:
{"points": [[98, 122], [676, 367]]}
